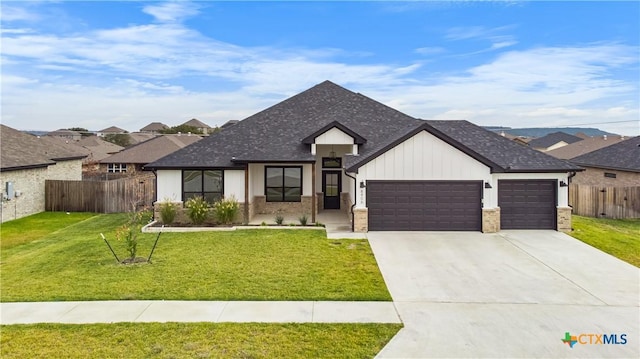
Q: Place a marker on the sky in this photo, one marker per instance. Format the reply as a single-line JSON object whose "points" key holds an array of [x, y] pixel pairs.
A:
{"points": [[96, 64]]}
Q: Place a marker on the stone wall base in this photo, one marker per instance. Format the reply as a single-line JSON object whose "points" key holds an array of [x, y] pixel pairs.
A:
{"points": [[564, 219], [360, 220], [490, 220], [261, 206], [183, 218]]}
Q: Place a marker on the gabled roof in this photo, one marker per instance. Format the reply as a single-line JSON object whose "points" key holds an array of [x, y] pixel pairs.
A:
{"points": [[154, 126], [624, 156], [112, 129], [553, 138], [277, 135], [152, 149], [196, 123], [357, 139], [589, 144], [98, 148], [19, 150]]}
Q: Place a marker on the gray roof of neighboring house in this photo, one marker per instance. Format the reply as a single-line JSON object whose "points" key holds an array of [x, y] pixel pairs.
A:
{"points": [[152, 149], [196, 123], [138, 137], [277, 133], [112, 129], [19, 150], [624, 155], [154, 126], [589, 144], [553, 138], [98, 148]]}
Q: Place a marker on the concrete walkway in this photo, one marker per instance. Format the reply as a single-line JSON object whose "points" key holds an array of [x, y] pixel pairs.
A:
{"points": [[140, 311]]}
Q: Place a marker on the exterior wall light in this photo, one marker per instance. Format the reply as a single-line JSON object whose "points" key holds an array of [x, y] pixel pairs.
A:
{"points": [[487, 185]]}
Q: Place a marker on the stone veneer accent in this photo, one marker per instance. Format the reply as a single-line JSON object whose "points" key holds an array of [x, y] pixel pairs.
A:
{"points": [[182, 217], [564, 219], [360, 220], [319, 201], [490, 220], [261, 206]]}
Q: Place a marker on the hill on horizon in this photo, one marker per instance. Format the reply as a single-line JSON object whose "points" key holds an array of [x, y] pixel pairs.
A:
{"points": [[543, 131]]}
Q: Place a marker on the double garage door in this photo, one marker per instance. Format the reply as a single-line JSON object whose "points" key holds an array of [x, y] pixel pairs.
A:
{"points": [[424, 205], [457, 205]]}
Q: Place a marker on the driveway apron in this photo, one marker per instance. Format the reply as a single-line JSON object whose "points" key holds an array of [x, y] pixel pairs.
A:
{"points": [[513, 294]]}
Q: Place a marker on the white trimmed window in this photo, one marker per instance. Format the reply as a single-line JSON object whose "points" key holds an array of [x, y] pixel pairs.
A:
{"points": [[117, 167]]}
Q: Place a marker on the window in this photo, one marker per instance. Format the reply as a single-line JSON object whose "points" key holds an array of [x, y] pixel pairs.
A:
{"points": [[610, 175], [330, 162], [202, 183], [283, 184], [117, 167]]}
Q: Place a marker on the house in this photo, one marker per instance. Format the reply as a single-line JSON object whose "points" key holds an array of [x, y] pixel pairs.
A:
{"points": [[113, 130], [26, 161], [588, 144], [98, 149], [199, 125], [154, 127], [552, 141], [66, 134], [131, 160], [138, 137], [617, 165], [328, 148]]}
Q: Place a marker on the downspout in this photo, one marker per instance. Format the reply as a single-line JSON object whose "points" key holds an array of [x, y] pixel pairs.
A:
{"points": [[355, 198]]}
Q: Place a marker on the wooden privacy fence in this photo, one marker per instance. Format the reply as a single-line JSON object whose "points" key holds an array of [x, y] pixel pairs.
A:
{"points": [[120, 195], [605, 202]]}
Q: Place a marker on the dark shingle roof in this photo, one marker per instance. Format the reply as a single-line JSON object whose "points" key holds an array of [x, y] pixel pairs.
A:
{"points": [[623, 156], [553, 138], [277, 134], [589, 144], [20, 150]]}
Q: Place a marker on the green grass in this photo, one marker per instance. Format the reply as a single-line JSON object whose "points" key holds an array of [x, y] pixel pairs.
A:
{"points": [[195, 340], [618, 237], [38, 226], [75, 264]]}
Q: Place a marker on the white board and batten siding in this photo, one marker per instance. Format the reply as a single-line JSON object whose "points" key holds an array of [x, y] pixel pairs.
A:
{"points": [[563, 192], [234, 184], [422, 157], [334, 136], [169, 185]]}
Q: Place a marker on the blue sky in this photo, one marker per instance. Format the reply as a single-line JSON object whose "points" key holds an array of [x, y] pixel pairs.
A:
{"points": [[509, 63]]}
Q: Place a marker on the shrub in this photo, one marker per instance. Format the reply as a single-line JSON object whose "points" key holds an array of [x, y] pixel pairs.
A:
{"points": [[129, 231], [303, 219], [197, 210], [226, 210], [279, 220], [168, 212]]}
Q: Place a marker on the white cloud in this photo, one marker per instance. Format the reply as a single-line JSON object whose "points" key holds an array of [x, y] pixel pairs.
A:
{"points": [[173, 11]]}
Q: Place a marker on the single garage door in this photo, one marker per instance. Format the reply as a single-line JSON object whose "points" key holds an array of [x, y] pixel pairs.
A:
{"points": [[424, 205], [527, 204]]}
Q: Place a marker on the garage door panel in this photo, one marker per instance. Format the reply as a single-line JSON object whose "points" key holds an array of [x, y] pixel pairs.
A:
{"points": [[527, 204], [424, 205]]}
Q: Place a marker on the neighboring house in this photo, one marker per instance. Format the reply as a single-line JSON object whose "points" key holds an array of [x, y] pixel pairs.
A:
{"points": [[552, 141], [113, 130], [154, 127], [130, 161], [66, 134], [328, 148], [617, 165], [99, 149], [199, 125], [26, 161], [588, 144], [138, 137]]}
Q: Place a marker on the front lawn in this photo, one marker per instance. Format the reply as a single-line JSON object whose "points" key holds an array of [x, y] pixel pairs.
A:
{"points": [[39, 225], [195, 340], [618, 237], [262, 264]]}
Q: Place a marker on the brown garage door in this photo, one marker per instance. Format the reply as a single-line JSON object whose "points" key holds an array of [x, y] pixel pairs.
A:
{"points": [[424, 205], [527, 204]]}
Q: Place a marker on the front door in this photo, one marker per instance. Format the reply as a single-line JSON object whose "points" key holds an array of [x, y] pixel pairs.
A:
{"points": [[331, 188]]}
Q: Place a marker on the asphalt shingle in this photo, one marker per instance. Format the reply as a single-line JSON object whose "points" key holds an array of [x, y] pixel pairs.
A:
{"points": [[624, 155]]}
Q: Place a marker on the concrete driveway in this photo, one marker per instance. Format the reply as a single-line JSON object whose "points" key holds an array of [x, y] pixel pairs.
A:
{"points": [[510, 294]]}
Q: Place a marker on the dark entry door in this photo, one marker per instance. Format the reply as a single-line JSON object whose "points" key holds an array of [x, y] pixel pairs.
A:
{"points": [[331, 188]]}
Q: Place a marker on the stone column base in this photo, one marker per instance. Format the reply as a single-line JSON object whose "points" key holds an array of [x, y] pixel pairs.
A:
{"points": [[490, 220], [360, 220], [564, 219]]}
